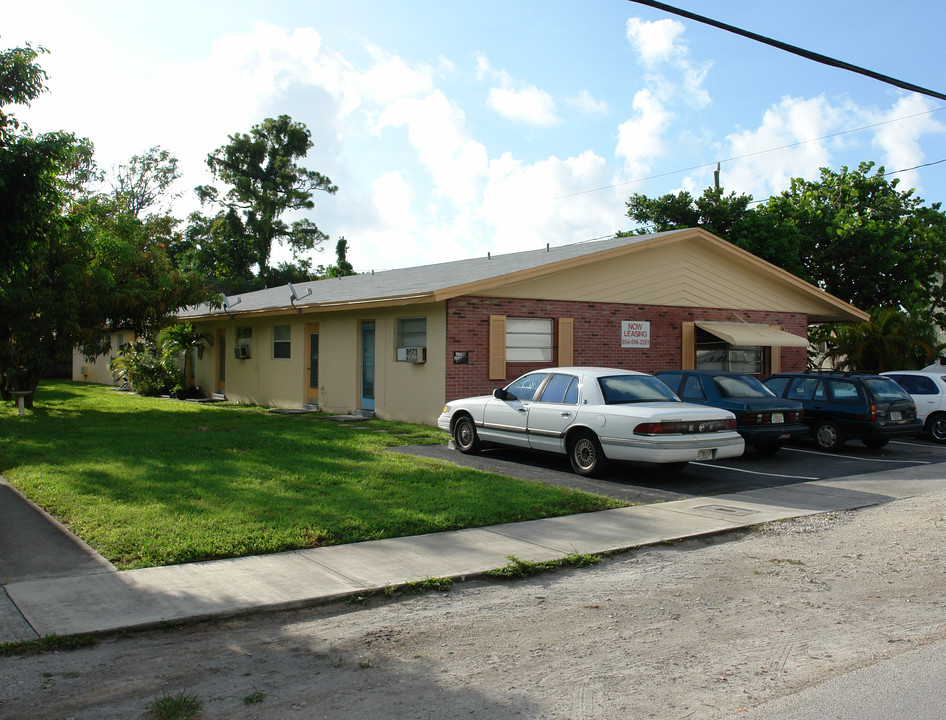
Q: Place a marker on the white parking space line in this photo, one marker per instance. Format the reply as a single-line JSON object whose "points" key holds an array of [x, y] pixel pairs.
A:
{"points": [[755, 472], [855, 457]]}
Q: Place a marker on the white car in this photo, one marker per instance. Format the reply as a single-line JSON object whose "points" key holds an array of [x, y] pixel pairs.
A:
{"points": [[928, 390], [594, 415]]}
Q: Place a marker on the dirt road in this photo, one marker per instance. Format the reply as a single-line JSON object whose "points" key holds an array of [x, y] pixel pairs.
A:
{"points": [[695, 630]]}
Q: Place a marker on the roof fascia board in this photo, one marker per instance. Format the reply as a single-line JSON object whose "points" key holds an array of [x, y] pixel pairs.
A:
{"points": [[310, 308]]}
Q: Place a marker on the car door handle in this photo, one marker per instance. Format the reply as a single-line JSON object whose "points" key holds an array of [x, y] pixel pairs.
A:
{"points": [[565, 413], [522, 410]]}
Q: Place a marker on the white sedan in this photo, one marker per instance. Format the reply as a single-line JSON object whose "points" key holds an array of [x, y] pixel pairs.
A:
{"points": [[594, 415]]}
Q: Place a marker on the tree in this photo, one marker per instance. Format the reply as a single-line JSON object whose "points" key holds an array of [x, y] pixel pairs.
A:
{"points": [[341, 268], [852, 233], [265, 183], [182, 338], [890, 340], [145, 180], [73, 265]]}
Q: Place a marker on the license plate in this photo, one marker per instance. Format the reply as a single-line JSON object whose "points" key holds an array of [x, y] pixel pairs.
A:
{"points": [[704, 454], [896, 415], [778, 418]]}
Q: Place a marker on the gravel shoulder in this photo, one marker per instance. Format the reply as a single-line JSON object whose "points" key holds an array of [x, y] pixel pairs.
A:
{"points": [[698, 629]]}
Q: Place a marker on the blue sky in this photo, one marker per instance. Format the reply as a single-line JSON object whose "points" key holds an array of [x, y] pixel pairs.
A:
{"points": [[453, 130]]}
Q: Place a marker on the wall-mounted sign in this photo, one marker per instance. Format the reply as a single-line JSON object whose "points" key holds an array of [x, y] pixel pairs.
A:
{"points": [[635, 334], [461, 357]]}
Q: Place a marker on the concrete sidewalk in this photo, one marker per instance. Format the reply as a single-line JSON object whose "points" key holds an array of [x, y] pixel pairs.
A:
{"points": [[102, 600]]}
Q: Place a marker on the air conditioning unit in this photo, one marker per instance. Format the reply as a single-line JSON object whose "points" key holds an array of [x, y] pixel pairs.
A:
{"points": [[412, 354], [241, 352]]}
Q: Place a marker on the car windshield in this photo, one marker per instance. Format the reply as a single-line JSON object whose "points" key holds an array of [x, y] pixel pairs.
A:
{"points": [[741, 386], [618, 389], [884, 389]]}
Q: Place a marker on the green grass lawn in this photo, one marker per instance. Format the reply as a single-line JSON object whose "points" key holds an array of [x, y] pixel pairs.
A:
{"points": [[150, 481]]}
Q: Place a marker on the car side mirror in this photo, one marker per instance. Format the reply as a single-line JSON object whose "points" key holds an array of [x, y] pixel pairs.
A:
{"points": [[500, 394]]}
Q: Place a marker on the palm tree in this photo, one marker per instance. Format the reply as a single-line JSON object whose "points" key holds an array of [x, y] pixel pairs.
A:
{"points": [[183, 338], [890, 340]]}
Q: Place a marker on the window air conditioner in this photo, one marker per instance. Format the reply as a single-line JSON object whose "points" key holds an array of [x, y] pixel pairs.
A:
{"points": [[415, 354], [241, 352]]}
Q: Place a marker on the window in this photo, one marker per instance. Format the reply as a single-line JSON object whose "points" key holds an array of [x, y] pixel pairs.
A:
{"points": [[916, 384], [634, 388], [807, 389], [745, 386], [561, 389], [244, 333], [410, 333], [528, 340], [692, 390], [282, 341], [712, 353], [844, 391], [524, 388]]}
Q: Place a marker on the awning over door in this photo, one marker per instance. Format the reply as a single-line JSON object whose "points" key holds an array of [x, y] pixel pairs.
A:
{"points": [[752, 334]]}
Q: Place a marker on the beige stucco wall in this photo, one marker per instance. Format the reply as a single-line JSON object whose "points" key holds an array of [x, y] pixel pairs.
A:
{"points": [[96, 370], [403, 391]]}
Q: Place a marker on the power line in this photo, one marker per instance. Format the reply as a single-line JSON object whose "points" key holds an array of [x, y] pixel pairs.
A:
{"points": [[795, 50]]}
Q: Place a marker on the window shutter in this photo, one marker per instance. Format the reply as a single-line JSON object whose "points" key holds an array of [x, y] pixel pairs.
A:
{"points": [[566, 341], [497, 347], [775, 356], [688, 341]]}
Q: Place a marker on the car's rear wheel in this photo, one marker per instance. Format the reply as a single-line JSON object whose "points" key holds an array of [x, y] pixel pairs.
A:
{"points": [[936, 426], [585, 454], [828, 436], [465, 437], [876, 443]]}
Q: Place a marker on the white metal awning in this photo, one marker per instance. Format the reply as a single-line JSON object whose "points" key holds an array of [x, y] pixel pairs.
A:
{"points": [[751, 334]]}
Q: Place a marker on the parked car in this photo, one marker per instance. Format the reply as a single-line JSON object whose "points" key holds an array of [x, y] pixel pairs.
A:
{"points": [[840, 406], [928, 390], [765, 421], [594, 415]]}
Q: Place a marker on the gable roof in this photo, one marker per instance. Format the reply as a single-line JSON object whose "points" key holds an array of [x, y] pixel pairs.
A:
{"points": [[438, 282]]}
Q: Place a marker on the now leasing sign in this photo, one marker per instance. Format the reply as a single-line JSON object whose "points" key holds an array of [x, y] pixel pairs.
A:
{"points": [[635, 334]]}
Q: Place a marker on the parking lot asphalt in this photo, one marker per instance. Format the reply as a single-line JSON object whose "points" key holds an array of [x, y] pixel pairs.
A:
{"points": [[646, 483]]}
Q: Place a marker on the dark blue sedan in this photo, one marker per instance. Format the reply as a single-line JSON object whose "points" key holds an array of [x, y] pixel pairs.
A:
{"points": [[764, 420]]}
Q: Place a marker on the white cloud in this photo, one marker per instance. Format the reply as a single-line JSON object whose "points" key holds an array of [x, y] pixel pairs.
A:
{"points": [[656, 41], [392, 198], [436, 129], [530, 105], [515, 100], [391, 78], [639, 139], [900, 141], [586, 104]]}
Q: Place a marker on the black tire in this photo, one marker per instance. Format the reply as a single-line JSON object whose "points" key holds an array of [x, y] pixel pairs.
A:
{"points": [[936, 426], [769, 448], [875, 443], [465, 437], [828, 436], [673, 467], [585, 454]]}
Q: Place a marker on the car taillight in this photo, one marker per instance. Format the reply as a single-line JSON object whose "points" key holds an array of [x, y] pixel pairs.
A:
{"points": [[681, 427], [873, 412], [755, 419]]}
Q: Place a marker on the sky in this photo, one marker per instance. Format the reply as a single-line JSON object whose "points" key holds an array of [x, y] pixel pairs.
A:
{"points": [[457, 129]]}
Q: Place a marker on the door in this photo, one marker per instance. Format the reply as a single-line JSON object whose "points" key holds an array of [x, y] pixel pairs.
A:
{"points": [[552, 414], [506, 420], [312, 366], [366, 392], [221, 361]]}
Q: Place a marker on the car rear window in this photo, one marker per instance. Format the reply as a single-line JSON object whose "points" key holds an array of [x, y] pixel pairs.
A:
{"points": [[741, 386], [618, 389], [885, 389]]}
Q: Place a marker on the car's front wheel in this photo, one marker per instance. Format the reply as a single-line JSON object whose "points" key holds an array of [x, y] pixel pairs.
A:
{"points": [[828, 436], [936, 426], [465, 437], [585, 454]]}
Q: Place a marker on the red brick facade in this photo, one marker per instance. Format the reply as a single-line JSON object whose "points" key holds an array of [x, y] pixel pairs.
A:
{"points": [[597, 338]]}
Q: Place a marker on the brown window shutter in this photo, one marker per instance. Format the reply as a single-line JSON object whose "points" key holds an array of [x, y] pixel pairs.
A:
{"points": [[566, 341], [688, 355], [775, 359], [497, 347]]}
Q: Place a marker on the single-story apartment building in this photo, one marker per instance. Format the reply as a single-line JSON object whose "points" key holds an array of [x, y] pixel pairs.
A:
{"points": [[400, 343]]}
